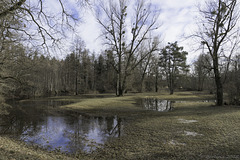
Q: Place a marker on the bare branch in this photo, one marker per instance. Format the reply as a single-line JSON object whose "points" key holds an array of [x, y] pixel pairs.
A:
{"points": [[12, 8]]}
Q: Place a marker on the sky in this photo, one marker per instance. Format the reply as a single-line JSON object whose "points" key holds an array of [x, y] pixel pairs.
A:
{"points": [[176, 16]]}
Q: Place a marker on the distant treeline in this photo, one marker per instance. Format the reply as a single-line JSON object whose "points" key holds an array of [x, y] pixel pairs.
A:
{"points": [[26, 74]]}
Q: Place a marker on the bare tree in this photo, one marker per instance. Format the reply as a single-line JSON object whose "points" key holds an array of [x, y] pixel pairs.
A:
{"points": [[202, 68], [217, 29], [78, 49], [232, 85], [33, 20], [147, 64], [125, 39], [33, 23]]}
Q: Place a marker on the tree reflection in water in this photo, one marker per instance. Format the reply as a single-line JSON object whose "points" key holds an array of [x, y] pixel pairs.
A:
{"points": [[63, 132], [157, 104]]}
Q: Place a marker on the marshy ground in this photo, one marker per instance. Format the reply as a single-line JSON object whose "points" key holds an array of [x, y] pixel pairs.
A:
{"points": [[194, 129]]}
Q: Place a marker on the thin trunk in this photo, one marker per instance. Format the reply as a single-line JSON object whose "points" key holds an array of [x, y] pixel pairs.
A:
{"points": [[86, 83], [117, 87], [171, 91], [141, 83], [76, 85], [119, 77], [156, 84], [144, 71], [199, 82], [156, 80], [170, 85], [171, 81]]}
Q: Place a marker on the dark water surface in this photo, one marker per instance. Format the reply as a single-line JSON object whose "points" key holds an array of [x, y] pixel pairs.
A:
{"points": [[161, 105], [36, 122], [157, 104]]}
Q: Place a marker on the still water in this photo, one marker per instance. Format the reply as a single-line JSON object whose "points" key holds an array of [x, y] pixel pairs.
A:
{"points": [[157, 104], [161, 105], [37, 123]]}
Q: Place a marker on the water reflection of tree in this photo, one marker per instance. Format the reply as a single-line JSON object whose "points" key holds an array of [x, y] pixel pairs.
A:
{"points": [[117, 130], [34, 125], [110, 123], [90, 132], [21, 120], [157, 104], [75, 132]]}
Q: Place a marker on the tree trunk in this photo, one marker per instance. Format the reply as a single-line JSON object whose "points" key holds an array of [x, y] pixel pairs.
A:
{"points": [[199, 83], [141, 86], [119, 77], [219, 92], [218, 81], [219, 88], [171, 91], [142, 83], [171, 84], [119, 90], [76, 85], [117, 86], [156, 82]]}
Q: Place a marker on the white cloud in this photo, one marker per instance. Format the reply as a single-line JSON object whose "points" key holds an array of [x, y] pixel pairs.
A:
{"points": [[90, 32], [177, 17]]}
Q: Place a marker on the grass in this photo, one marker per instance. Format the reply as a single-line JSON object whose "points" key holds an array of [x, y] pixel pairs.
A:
{"points": [[10, 149], [193, 130]]}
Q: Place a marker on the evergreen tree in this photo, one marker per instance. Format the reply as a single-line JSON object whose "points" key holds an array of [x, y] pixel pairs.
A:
{"points": [[173, 63]]}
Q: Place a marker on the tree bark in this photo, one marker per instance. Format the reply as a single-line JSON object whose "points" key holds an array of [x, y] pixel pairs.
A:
{"points": [[218, 83], [171, 88], [119, 77], [219, 91], [156, 82]]}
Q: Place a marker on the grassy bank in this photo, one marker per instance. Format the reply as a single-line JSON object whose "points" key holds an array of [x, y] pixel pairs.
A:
{"points": [[193, 130], [10, 149]]}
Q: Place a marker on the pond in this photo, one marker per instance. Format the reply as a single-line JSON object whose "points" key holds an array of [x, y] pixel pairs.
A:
{"points": [[157, 104], [161, 105], [37, 123]]}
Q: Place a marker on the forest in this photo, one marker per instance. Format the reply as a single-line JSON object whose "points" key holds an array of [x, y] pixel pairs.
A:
{"points": [[135, 66], [28, 74]]}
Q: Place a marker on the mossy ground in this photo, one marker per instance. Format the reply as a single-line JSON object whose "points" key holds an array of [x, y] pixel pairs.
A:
{"points": [[193, 130]]}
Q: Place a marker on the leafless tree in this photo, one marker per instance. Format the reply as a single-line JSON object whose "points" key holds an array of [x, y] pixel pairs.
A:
{"points": [[202, 68], [34, 21], [126, 38], [148, 63], [217, 27]]}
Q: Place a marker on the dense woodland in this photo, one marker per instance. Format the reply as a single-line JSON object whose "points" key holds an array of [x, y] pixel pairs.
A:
{"points": [[140, 65], [27, 74]]}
